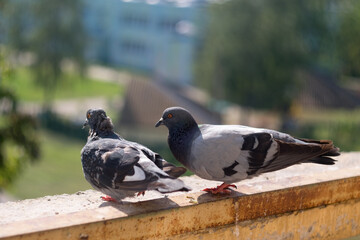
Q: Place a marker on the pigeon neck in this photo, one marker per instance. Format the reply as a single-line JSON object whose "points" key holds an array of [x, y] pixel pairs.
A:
{"points": [[104, 130], [107, 134], [180, 139]]}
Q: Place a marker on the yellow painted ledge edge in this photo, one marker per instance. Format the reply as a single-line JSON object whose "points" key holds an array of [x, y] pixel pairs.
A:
{"points": [[335, 221], [176, 215]]}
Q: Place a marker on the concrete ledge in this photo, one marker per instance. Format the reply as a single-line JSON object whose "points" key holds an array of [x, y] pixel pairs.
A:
{"points": [[300, 202]]}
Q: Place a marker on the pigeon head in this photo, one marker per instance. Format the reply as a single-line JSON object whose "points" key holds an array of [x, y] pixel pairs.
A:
{"points": [[182, 130], [176, 117], [97, 120]]}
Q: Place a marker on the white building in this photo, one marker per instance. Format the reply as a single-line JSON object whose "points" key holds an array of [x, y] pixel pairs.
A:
{"points": [[156, 36]]}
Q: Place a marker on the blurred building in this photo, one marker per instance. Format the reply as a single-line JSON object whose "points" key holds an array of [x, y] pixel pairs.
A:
{"points": [[158, 37], [155, 36], [320, 90], [146, 100]]}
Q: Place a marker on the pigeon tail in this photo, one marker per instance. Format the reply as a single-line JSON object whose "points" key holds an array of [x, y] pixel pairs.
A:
{"points": [[324, 158], [173, 170], [168, 185], [295, 153]]}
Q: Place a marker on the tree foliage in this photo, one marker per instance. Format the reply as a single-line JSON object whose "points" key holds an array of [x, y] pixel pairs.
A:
{"points": [[52, 31], [349, 38], [18, 137], [253, 49]]}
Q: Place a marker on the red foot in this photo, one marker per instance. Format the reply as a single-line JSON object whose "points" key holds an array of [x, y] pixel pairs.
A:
{"points": [[223, 189], [141, 193], [108, 199]]}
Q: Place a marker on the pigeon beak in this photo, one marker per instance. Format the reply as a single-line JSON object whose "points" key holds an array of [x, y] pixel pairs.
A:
{"points": [[86, 123], [160, 122]]}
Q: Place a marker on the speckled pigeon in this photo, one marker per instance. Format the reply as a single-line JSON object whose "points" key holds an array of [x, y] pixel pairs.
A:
{"points": [[120, 168], [230, 153]]}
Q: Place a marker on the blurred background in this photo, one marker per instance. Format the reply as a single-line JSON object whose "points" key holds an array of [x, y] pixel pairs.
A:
{"points": [[293, 66]]}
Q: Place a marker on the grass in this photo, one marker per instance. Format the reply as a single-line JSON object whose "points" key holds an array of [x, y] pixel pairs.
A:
{"points": [[58, 171], [71, 86], [341, 126], [330, 116]]}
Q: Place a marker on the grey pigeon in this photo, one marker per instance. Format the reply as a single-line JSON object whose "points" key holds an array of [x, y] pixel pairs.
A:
{"points": [[120, 168], [231, 153]]}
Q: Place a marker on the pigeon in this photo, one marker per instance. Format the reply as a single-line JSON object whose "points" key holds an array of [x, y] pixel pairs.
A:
{"points": [[121, 168], [231, 153]]}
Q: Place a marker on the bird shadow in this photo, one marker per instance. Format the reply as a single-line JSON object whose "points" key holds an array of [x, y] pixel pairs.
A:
{"points": [[132, 208], [209, 197], [152, 205]]}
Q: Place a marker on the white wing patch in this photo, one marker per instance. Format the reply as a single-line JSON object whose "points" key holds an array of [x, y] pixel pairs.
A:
{"points": [[271, 153], [138, 175], [256, 143]]}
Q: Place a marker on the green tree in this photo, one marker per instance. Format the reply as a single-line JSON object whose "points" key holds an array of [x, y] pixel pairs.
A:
{"points": [[348, 39], [253, 49], [18, 136], [53, 32], [15, 22]]}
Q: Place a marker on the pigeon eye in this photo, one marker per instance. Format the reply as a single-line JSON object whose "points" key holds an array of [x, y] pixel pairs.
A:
{"points": [[169, 115], [88, 115]]}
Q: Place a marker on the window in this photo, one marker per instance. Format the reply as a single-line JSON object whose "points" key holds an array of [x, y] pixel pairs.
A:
{"points": [[136, 20], [134, 47], [168, 24]]}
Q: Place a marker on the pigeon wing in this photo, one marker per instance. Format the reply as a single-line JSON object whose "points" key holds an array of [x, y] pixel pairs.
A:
{"points": [[160, 162], [231, 153], [116, 166], [260, 149], [131, 172], [136, 172], [225, 153], [267, 153]]}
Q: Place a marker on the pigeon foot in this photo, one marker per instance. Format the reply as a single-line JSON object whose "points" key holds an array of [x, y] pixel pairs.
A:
{"points": [[108, 199], [141, 193], [222, 189]]}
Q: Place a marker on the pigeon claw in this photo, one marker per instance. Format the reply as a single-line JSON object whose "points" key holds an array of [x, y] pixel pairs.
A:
{"points": [[108, 199], [222, 189], [232, 185], [141, 193]]}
